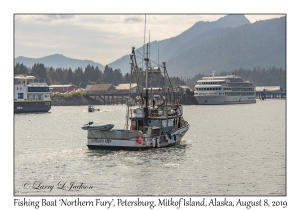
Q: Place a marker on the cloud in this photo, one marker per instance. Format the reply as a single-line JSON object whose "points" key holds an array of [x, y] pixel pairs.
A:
{"points": [[134, 19], [99, 37], [44, 18]]}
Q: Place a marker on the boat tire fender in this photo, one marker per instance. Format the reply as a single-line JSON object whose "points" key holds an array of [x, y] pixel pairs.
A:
{"points": [[153, 142]]}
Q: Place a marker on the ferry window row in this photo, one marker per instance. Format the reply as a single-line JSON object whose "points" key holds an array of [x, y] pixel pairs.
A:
{"points": [[198, 94], [239, 94], [208, 88], [38, 89], [211, 83]]}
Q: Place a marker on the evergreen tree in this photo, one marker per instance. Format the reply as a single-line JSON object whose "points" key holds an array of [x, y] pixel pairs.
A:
{"points": [[39, 71], [70, 78], [21, 69], [117, 77], [108, 75]]}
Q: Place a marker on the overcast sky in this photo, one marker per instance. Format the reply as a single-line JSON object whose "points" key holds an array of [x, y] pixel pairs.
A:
{"points": [[101, 38]]}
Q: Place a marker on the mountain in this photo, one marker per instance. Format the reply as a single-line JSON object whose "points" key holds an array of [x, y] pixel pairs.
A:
{"points": [[170, 47], [220, 46], [57, 61], [202, 27], [261, 44], [200, 38], [226, 44]]}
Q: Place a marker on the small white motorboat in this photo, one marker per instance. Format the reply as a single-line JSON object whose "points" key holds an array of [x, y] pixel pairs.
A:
{"points": [[89, 126]]}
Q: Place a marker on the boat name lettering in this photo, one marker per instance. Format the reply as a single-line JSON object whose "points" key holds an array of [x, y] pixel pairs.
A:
{"points": [[19, 107], [101, 141]]}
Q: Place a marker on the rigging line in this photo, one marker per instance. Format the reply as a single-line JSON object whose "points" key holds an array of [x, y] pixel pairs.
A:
{"points": [[149, 59], [136, 76], [139, 57], [140, 63], [140, 53], [167, 75], [155, 63]]}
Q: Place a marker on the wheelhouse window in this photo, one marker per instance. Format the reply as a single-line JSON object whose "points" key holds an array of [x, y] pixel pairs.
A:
{"points": [[20, 95], [38, 89]]}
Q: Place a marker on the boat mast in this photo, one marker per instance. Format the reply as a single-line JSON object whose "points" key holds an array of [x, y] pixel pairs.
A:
{"points": [[158, 55], [146, 60], [149, 47], [144, 48], [146, 96], [130, 95], [166, 96]]}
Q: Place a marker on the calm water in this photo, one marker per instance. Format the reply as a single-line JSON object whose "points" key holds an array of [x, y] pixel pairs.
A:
{"points": [[229, 150]]}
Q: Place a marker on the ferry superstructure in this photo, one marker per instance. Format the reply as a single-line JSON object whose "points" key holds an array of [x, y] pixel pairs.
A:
{"points": [[31, 94], [230, 89]]}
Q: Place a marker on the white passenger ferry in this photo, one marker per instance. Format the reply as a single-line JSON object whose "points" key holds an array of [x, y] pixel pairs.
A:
{"points": [[230, 89], [31, 94]]}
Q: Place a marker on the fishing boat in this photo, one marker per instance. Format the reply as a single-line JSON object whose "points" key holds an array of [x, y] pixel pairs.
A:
{"points": [[157, 121]]}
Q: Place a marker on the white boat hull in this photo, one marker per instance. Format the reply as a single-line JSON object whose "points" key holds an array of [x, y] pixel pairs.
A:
{"points": [[111, 141], [215, 100]]}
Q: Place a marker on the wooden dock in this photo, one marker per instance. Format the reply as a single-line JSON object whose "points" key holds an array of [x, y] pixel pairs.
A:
{"points": [[115, 97]]}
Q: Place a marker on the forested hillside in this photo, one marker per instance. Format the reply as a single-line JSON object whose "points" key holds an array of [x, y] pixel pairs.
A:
{"points": [[91, 75], [260, 44], [258, 50], [259, 77]]}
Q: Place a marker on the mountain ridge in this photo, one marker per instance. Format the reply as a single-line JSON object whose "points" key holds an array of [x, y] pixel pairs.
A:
{"points": [[58, 61], [168, 46], [226, 44], [259, 44]]}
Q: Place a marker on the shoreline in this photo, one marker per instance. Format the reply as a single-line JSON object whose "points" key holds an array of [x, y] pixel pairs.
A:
{"points": [[73, 101], [85, 101]]}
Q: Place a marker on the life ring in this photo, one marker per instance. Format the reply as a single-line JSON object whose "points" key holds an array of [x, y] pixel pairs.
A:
{"points": [[132, 127]]}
